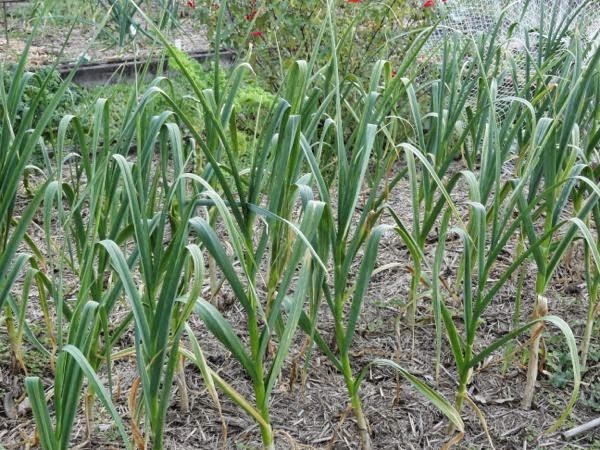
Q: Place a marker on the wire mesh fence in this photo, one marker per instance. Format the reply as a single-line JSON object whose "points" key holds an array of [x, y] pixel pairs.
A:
{"points": [[520, 29]]}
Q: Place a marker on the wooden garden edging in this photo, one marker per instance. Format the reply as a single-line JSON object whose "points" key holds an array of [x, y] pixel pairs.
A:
{"points": [[126, 68]]}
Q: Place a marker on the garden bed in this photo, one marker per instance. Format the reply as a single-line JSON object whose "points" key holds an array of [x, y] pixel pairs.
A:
{"points": [[309, 255], [84, 23], [315, 414]]}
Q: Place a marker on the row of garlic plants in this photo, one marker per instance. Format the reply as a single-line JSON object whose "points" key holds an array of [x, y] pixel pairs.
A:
{"points": [[529, 165], [152, 222]]}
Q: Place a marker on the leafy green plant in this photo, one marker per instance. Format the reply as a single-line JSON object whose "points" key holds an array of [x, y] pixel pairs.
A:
{"points": [[220, 147], [122, 206], [250, 98], [71, 367], [444, 136], [558, 168], [20, 135], [162, 308], [39, 89], [362, 157], [82, 335], [592, 281], [254, 358], [478, 291]]}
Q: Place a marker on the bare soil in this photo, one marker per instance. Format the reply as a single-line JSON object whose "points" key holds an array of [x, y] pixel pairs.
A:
{"points": [[85, 39]]}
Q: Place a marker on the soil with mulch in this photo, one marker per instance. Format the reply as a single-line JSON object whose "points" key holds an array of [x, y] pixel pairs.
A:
{"points": [[312, 411], [86, 40]]}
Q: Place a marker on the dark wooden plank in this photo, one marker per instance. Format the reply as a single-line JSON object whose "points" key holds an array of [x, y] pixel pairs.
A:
{"points": [[114, 71]]}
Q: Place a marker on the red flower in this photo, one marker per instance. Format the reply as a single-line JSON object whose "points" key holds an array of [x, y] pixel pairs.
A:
{"points": [[355, 1], [191, 4], [257, 33], [429, 4], [394, 73]]}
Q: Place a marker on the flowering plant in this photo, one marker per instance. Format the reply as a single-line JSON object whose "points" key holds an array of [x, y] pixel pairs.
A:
{"points": [[279, 32]]}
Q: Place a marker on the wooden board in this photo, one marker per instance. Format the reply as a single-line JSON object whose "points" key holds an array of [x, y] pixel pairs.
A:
{"points": [[127, 68]]}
